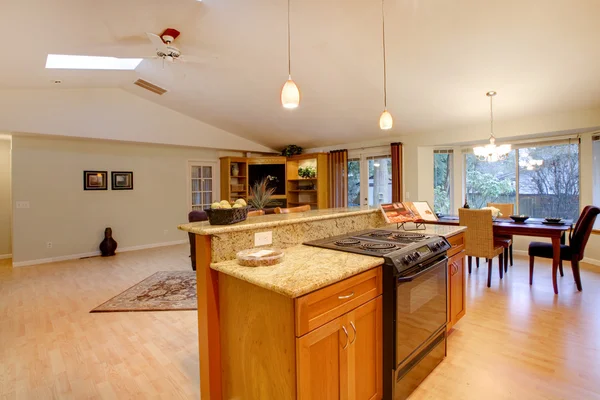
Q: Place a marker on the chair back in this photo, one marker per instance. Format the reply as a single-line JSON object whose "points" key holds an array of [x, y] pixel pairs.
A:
{"points": [[256, 213], [583, 229], [298, 209], [507, 209], [479, 236], [197, 216]]}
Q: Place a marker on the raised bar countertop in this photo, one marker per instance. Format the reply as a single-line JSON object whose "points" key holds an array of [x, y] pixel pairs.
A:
{"points": [[272, 220], [306, 268]]}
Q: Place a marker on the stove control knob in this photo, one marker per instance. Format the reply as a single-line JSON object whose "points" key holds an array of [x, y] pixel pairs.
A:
{"points": [[407, 259], [436, 246], [415, 255]]}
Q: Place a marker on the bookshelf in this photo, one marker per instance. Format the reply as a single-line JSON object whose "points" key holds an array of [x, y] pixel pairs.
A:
{"points": [[312, 191], [234, 186]]}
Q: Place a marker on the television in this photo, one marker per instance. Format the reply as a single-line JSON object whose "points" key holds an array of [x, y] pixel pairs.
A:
{"points": [[275, 172]]}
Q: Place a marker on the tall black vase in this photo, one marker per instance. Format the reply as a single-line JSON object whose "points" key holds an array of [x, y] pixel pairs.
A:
{"points": [[109, 245]]}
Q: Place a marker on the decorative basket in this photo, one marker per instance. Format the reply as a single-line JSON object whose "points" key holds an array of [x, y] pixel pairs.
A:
{"points": [[226, 216], [237, 187]]}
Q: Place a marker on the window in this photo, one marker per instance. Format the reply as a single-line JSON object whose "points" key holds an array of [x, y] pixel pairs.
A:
{"points": [[490, 182], [541, 179], [596, 174], [369, 179], [202, 179], [549, 181], [443, 181], [353, 182]]}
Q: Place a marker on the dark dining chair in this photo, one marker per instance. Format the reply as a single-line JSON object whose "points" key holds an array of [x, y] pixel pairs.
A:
{"points": [[195, 216], [572, 252]]}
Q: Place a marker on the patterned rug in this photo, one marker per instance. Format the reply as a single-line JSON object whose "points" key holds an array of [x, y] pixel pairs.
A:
{"points": [[163, 291]]}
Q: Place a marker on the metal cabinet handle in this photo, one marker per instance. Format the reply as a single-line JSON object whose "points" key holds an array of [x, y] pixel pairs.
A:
{"points": [[353, 327], [455, 268], [346, 332], [346, 296]]}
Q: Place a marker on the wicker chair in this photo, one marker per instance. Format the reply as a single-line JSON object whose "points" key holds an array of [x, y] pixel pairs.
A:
{"points": [[480, 238], [298, 209], [507, 209]]}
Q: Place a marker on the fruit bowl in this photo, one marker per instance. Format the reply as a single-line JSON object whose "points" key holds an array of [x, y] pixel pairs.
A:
{"points": [[519, 218], [226, 216]]}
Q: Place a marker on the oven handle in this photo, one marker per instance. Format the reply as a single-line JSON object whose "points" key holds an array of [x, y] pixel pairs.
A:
{"points": [[424, 271]]}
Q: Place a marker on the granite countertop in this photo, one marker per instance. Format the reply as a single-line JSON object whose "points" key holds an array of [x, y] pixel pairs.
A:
{"points": [[272, 220], [432, 229], [304, 269]]}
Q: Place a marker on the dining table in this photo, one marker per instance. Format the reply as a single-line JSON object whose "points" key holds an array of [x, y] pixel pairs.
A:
{"points": [[537, 227]]}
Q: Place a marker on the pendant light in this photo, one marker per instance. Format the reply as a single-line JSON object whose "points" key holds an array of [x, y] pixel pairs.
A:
{"points": [[491, 152], [290, 95], [385, 120]]}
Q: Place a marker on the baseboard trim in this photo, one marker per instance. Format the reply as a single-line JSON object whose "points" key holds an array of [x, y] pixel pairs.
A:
{"points": [[585, 259], [5, 256], [94, 254]]}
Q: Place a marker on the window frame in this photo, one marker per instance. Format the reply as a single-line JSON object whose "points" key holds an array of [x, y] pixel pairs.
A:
{"points": [[523, 145], [451, 166]]}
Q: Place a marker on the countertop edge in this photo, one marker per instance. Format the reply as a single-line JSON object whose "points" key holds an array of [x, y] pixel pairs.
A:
{"points": [[216, 229]]}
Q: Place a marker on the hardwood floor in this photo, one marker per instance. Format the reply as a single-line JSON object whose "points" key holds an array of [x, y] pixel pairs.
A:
{"points": [[515, 342], [523, 342], [51, 347]]}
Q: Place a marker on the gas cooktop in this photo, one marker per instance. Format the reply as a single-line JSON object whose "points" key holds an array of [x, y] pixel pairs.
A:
{"points": [[400, 249]]}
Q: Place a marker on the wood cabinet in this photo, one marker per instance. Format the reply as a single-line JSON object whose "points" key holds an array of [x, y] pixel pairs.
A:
{"points": [[234, 178], [342, 359], [327, 344], [456, 280], [313, 191]]}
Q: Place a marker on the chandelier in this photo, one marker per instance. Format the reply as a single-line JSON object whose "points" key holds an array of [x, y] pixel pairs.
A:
{"points": [[491, 152]]}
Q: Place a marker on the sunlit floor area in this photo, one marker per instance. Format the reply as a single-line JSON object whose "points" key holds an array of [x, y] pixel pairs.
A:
{"points": [[516, 341], [523, 342]]}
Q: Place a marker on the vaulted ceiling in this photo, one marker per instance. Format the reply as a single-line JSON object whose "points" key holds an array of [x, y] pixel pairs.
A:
{"points": [[541, 56]]}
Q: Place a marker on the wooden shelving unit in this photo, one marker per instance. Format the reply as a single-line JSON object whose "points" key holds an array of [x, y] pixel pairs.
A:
{"points": [[312, 191], [234, 187]]}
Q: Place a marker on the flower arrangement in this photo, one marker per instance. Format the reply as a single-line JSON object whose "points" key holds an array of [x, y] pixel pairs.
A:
{"points": [[307, 172], [495, 212]]}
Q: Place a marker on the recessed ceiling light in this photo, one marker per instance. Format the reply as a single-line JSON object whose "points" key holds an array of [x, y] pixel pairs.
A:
{"points": [[63, 61]]}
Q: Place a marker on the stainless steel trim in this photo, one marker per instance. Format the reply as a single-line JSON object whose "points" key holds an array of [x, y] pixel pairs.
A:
{"points": [[353, 327], [347, 337], [346, 296]]}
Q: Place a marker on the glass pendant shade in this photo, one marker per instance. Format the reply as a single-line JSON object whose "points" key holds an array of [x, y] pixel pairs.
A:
{"points": [[491, 152], [290, 95], [385, 120]]}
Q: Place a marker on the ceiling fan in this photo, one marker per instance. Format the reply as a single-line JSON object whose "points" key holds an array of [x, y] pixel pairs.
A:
{"points": [[168, 52]]}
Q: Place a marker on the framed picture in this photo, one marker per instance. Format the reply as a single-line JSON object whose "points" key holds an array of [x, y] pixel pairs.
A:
{"points": [[95, 180], [122, 180]]}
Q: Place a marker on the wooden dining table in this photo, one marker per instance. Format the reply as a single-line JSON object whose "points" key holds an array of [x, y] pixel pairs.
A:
{"points": [[531, 227]]}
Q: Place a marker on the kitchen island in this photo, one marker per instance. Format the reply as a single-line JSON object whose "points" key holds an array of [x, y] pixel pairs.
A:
{"points": [[309, 327]]}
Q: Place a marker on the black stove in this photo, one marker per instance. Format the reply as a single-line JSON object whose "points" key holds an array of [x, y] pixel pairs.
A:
{"points": [[402, 250]]}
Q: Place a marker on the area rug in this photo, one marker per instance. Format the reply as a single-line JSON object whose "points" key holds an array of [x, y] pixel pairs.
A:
{"points": [[163, 291]]}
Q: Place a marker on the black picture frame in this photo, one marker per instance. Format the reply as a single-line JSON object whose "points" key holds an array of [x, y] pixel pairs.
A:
{"points": [[122, 180], [95, 180]]}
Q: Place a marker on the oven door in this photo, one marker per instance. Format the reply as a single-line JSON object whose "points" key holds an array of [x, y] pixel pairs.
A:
{"points": [[421, 302]]}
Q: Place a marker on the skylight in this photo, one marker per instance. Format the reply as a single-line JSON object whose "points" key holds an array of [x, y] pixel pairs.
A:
{"points": [[63, 61]]}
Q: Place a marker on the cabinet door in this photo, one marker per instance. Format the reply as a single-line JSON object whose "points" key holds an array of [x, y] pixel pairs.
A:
{"points": [[322, 362], [365, 351], [457, 293]]}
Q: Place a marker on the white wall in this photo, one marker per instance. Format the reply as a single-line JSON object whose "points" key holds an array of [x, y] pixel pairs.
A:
{"points": [[5, 208], [48, 172], [110, 114]]}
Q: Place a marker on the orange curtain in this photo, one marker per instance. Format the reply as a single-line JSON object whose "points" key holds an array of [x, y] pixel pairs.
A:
{"points": [[397, 172], [338, 178]]}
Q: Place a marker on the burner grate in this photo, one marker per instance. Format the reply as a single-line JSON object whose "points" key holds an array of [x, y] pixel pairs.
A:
{"points": [[378, 246], [379, 234], [346, 242]]}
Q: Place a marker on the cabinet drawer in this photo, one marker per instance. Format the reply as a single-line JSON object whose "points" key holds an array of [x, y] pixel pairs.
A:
{"points": [[457, 242], [318, 308]]}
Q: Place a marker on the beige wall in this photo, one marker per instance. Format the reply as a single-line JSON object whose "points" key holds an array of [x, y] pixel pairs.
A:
{"points": [[5, 211], [49, 173]]}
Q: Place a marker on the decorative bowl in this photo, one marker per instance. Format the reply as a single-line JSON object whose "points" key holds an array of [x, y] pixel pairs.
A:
{"points": [[553, 220], [519, 218]]}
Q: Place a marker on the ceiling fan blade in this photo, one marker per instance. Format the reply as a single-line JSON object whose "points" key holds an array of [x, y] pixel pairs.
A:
{"points": [[157, 42]]}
